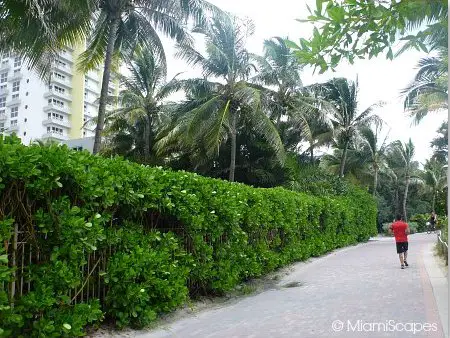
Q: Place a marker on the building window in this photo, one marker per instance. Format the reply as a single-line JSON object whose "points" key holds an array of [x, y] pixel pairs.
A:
{"points": [[2, 102], [24, 133], [59, 76], [26, 106], [16, 71], [14, 96], [56, 102], [13, 123], [14, 111], [2, 87], [17, 62], [55, 116], [55, 130], [59, 89], [61, 63], [16, 86], [25, 119], [3, 77], [28, 80]]}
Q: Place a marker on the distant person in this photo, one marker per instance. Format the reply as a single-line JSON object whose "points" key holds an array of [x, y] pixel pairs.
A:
{"points": [[433, 221], [401, 231]]}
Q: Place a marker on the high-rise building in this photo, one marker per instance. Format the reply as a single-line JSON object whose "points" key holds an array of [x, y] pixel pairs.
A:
{"points": [[56, 110]]}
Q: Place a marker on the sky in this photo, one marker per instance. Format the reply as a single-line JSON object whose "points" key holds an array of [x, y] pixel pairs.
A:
{"points": [[379, 79]]}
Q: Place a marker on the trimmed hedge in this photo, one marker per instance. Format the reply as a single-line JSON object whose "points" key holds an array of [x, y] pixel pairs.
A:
{"points": [[172, 233]]}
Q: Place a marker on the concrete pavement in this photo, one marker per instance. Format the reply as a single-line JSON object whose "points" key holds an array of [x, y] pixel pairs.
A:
{"points": [[354, 292]]}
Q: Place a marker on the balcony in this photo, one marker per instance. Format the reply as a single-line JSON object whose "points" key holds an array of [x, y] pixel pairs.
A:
{"points": [[3, 117], [66, 56], [4, 66], [93, 89], [13, 102], [54, 136], [15, 77], [57, 122], [55, 93], [55, 107], [67, 70], [4, 91], [13, 128], [63, 82]]}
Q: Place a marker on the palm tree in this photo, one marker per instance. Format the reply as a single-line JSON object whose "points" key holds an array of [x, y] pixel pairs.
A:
{"points": [[429, 90], [121, 25], [440, 143], [346, 118], [435, 176], [402, 155], [143, 97], [212, 115], [301, 108], [37, 30], [375, 148]]}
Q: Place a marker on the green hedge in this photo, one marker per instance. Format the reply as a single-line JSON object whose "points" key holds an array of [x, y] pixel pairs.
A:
{"points": [[172, 233]]}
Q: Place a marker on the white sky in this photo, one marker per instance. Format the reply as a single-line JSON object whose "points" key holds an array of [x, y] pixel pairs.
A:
{"points": [[379, 79]]}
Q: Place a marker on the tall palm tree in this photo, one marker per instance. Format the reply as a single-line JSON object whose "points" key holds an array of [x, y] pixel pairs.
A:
{"points": [[429, 90], [144, 95], [121, 25], [213, 114], [435, 176], [343, 94], [403, 154], [375, 148], [304, 112]]}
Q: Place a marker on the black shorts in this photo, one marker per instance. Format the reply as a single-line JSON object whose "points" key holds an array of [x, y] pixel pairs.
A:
{"points": [[402, 247]]}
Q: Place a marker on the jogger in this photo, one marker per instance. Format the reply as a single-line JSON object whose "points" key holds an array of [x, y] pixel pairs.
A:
{"points": [[401, 231]]}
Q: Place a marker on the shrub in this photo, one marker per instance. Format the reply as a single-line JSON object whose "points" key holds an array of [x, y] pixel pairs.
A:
{"points": [[129, 241]]}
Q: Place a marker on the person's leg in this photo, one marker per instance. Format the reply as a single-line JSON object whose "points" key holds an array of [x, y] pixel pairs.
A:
{"points": [[400, 253], [405, 254]]}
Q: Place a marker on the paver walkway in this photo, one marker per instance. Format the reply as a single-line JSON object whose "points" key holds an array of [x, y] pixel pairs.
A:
{"points": [[360, 289]]}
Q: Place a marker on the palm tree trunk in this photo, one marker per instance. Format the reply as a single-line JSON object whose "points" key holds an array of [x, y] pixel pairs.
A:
{"points": [[343, 159], [396, 200], [433, 201], [147, 129], [233, 147], [311, 147], [375, 182], [105, 84], [405, 198]]}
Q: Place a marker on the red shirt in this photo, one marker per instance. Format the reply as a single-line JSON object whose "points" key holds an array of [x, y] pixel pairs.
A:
{"points": [[399, 229]]}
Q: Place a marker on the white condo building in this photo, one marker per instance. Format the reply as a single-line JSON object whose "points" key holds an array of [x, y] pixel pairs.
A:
{"points": [[55, 110]]}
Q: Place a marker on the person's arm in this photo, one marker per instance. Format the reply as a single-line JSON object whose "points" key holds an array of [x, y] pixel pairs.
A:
{"points": [[407, 230], [390, 229]]}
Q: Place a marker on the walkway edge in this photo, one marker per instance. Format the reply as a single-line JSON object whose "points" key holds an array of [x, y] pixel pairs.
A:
{"points": [[439, 284]]}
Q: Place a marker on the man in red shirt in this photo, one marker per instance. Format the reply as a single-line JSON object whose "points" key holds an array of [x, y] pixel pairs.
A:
{"points": [[401, 231]]}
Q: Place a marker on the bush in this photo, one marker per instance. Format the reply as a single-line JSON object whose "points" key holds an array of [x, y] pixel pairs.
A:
{"points": [[147, 236], [421, 221]]}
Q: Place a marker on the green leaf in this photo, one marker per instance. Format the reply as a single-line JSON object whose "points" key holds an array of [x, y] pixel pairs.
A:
{"points": [[336, 13], [67, 326]]}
